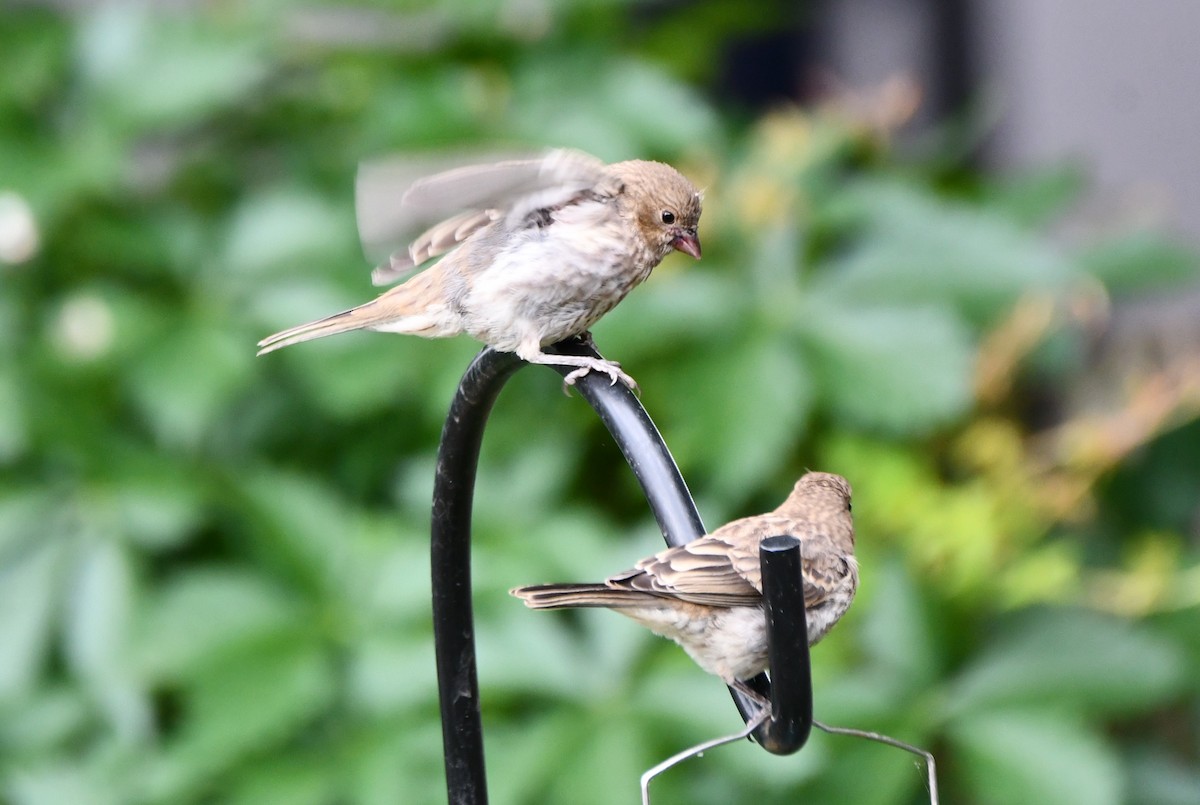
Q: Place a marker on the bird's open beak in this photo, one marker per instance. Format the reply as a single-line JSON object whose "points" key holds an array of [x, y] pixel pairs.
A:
{"points": [[687, 242]]}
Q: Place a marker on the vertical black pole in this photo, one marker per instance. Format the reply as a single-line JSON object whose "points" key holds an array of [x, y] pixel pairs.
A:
{"points": [[450, 564]]}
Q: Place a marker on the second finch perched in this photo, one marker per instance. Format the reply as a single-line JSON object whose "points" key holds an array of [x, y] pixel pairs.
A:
{"points": [[537, 251], [707, 595]]}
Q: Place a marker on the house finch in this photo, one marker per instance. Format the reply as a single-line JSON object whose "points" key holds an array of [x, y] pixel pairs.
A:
{"points": [[707, 595], [537, 251]]}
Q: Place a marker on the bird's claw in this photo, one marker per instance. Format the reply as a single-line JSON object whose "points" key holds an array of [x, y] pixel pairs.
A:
{"points": [[610, 368]]}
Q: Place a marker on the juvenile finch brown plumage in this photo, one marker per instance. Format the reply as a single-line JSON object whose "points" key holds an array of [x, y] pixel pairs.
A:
{"points": [[537, 251], [707, 595]]}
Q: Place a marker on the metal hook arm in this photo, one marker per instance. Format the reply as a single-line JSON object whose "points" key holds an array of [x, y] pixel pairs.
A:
{"points": [[450, 559]]}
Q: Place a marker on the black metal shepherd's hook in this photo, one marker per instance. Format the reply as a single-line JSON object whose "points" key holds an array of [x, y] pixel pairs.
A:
{"points": [[453, 615]]}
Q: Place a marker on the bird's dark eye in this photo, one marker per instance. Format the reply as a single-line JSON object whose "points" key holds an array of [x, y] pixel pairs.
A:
{"points": [[668, 217]]}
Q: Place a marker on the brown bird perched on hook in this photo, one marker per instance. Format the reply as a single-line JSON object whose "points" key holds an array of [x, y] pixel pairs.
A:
{"points": [[707, 595], [537, 251]]}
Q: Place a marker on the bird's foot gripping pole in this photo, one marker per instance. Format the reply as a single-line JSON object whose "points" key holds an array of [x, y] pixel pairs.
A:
{"points": [[579, 357]]}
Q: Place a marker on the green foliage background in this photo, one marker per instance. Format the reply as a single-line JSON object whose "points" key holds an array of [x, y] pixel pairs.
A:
{"points": [[213, 568]]}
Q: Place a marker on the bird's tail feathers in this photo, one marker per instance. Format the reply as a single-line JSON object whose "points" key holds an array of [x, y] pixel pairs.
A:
{"points": [[416, 308], [564, 596], [353, 319]]}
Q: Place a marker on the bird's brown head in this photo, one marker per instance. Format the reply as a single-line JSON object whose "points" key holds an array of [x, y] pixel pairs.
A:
{"points": [[819, 494], [665, 204]]}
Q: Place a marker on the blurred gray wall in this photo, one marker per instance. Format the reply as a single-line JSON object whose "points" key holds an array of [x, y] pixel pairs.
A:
{"points": [[1114, 84]]}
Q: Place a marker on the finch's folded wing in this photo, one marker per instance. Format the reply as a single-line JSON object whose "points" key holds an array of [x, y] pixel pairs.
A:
{"points": [[701, 572]]}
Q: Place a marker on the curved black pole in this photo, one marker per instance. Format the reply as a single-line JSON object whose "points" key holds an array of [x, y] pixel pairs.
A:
{"points": [[450, 560], [647, 454], [640, 443]]}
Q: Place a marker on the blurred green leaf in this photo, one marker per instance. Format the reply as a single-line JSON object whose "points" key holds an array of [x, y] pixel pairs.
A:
{"points": [[873, 366], [97, 623], [1179, 628], [27, 602], [289, 780], [378, 664], [1060, 656], [13, 436], [522, 748], [896, 630], [1160, 780], [35, 58], [244, 703], [392, 761], [36, 724], [158, 510], [866, 771], [282, 228], [673, 306], [631, 109], [305, 530], [32, 521], [608, 770], [1141, 262], [206, 612], [185, 382], [1036, 197], [1042, 755], [739, 409], [55, 784], [155, 72], [918, 249], [96, 634]]}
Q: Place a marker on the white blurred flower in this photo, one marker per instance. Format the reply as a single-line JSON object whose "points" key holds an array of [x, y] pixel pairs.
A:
{"points": [[84, 328], [18, 229]]}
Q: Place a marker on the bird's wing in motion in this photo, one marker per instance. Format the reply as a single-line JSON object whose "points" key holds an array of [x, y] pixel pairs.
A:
{"points": [[437, 240], [463, 200], [496, 184]]}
